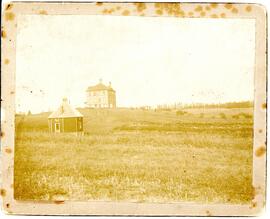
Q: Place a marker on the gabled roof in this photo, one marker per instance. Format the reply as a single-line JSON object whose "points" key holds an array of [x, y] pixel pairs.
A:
{"points": [[65, 111], [99, 87]]}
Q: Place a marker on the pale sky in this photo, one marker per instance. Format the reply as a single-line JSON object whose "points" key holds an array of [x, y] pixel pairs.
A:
{"points": [[149, 60]]}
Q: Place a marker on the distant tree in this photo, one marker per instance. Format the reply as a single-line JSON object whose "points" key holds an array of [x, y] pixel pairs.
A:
{"points": [[229, 105]]}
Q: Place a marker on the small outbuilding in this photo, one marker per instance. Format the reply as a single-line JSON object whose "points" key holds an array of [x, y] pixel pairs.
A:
{"points": [[66, 119]]}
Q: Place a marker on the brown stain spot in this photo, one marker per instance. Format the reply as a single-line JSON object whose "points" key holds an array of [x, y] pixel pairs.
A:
{"points": [[179, 13], [171, 8], [214, 16], [141, 6], [8, 205], [12, 92], [228, 6], [264, 105], [3, 192], [8, 7], [208, 213], [214, 5], [253, 204], [182, 13], [9, 16], [125, 12], [260, 151], [170, 12], [105, 11], [207, 8], [2, 134], [159, 12], [248, 8], [59, 202], [110, 11], [202, 14], [6, 61], [43, 12], [260, 130], [235, 10], [3, 34], [99, 3], [198, 8], [8, 150], [118, 8], [222, 15], [158, 5]]}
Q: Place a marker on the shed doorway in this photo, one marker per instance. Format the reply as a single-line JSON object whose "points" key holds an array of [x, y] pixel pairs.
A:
{"points": [[57, 127]]}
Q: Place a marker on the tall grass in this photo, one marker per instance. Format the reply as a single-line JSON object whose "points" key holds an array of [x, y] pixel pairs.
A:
{"points": [[136, 155]]}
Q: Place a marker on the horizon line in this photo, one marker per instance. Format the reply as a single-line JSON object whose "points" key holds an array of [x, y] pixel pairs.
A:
{"points": [[156, 106]]}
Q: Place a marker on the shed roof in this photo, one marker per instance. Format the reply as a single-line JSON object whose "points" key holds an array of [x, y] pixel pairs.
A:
{"points": [[65, 111]]}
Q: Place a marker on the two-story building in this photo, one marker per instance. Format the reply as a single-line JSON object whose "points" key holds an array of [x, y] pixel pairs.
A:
{"points": [[101, 96]]}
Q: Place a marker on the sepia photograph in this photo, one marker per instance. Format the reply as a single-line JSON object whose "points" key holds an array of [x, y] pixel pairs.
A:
{"points": [[135, 108]]}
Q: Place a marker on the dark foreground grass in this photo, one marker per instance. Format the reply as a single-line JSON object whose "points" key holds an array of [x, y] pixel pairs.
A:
{"points": [[145, 157]]}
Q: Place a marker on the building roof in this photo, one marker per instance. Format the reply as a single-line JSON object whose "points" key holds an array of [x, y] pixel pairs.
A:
{"points": [[100, 87], [65, 111]]}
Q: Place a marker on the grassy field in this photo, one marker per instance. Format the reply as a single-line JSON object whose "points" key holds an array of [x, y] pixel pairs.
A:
{"points": [[138, 155]]}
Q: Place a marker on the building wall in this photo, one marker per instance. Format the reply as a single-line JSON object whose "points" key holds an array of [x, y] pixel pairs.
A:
{"points": [[70, 125], [66, 124], [111, 99], [101, 99]]}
